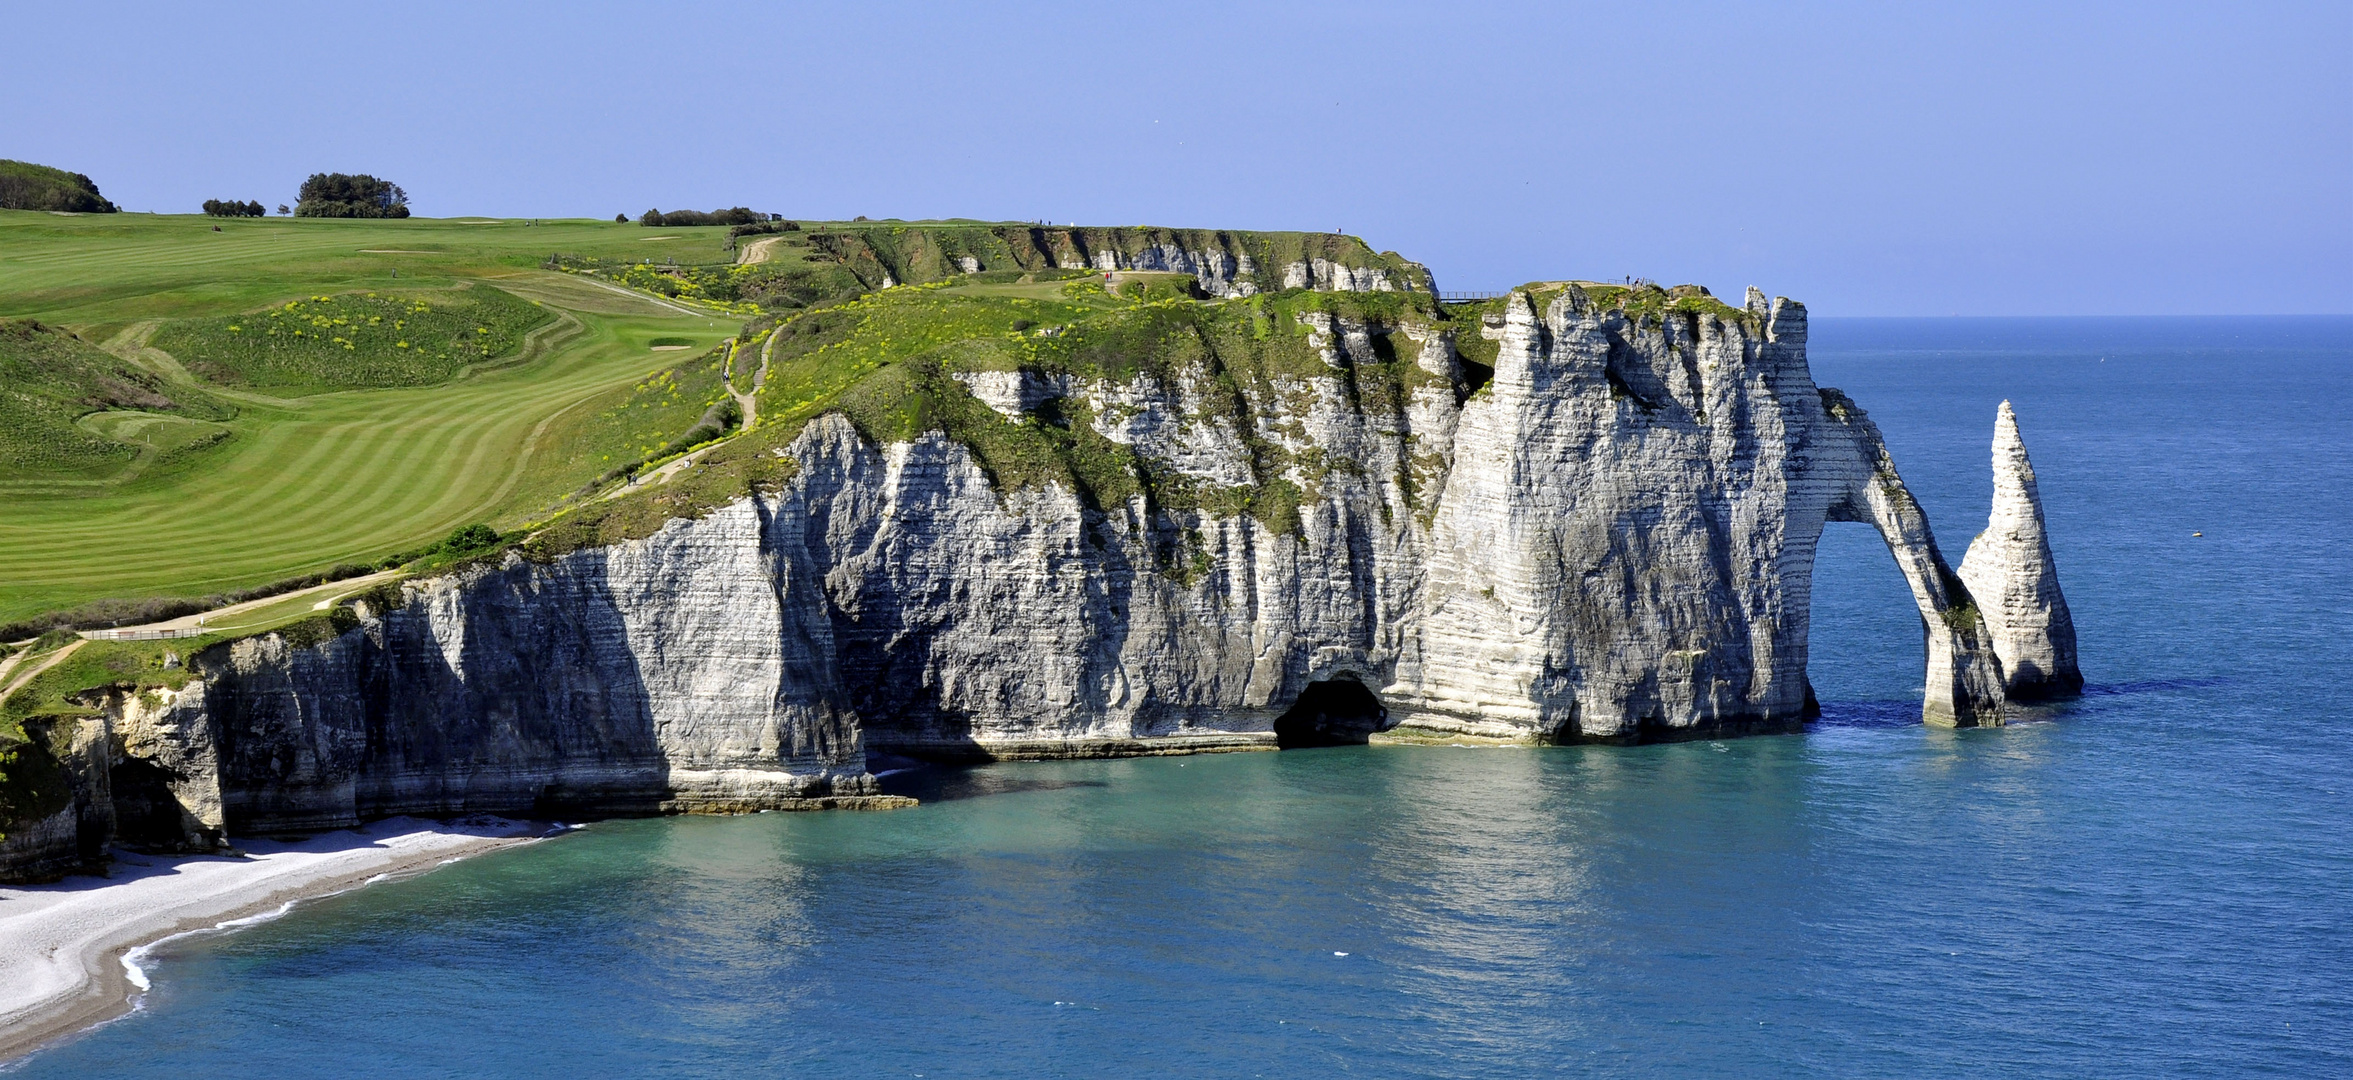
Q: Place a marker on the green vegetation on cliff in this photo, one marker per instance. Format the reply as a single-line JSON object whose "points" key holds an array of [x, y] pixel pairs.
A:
{"points": [[280, 456], [890, 362]]}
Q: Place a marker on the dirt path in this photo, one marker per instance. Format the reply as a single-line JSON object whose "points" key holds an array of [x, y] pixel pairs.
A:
{"points": [[8, 663], [758, 251], [34, 672], [748, 402], [330, 591]]}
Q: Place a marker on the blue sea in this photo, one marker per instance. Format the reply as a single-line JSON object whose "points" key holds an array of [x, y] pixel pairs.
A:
{"points": [[2155, 880]]}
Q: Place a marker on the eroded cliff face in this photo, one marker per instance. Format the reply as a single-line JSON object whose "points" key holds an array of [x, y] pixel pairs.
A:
{"points": [[1611, 538]]}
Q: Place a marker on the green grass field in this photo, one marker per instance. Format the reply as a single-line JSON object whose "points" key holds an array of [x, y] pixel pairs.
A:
{"points": [[213, 404], [145, 501]]}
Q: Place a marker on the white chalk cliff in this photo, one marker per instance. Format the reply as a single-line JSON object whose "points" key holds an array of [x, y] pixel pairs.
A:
{"points": [[1611, 539]]}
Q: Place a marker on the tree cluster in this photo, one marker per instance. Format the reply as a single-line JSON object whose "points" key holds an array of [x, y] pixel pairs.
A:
{"points": [[335, 195], [233, 208], [26, 186], [734, 216]]}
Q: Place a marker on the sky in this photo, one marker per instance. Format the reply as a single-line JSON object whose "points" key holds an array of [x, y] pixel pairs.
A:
{"points": [[1870, 159]]}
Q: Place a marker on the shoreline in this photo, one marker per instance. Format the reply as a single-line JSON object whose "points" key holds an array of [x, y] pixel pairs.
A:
{"points": [[67, 949]]}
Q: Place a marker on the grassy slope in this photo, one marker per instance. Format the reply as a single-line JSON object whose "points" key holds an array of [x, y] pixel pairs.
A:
{"points": [[303, 483], [69, 409]]}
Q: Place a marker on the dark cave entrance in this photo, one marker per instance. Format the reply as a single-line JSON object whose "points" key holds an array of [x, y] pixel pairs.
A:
{"points": [[1334, 712], [146, 813]]}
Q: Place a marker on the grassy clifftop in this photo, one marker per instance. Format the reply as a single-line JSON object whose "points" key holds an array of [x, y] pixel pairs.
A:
{"points": [[890, 362], [794, 266], [911, 254]]}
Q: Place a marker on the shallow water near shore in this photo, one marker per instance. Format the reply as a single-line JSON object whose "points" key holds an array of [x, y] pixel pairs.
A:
{"points": [[2154, 880]]}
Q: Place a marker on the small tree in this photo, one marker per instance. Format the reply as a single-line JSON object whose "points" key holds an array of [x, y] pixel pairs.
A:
{"points": [[283, 210], [620, 219]]}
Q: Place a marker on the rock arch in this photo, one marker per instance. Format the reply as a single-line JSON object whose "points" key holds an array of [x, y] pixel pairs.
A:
{"points": [[1963, 682]]}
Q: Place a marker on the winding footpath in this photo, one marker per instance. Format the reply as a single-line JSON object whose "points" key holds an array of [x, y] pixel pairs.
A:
{"points": [[25, 678]]}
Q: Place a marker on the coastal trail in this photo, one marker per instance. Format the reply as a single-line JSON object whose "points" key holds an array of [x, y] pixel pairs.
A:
{"points": [[25, 677], [759, 251]]}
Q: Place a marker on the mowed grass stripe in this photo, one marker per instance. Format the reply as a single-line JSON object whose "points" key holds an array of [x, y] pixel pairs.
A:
{"points": [[441, 466], [344, 476], [267, 476], [323, 489]]}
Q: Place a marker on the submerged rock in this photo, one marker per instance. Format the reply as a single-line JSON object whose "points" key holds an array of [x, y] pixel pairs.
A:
{"points": [[2010, 572]]}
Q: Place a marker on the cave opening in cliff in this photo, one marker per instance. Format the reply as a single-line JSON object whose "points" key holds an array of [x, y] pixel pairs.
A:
{"points": [[146, 812], [1475, 377], [1332, 712]]}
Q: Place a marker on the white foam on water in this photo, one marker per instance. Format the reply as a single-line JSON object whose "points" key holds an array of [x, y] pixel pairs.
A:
{"points": [[134, 961]]}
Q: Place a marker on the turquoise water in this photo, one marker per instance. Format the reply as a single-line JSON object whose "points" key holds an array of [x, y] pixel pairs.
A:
{"points": [[2155, 880]]}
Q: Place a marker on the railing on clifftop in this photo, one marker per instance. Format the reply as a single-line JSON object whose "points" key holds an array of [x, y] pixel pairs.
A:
{"points": [[143, 635]]}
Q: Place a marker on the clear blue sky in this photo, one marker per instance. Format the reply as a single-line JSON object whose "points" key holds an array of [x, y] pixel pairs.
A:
{"points": [[1871, 159]]}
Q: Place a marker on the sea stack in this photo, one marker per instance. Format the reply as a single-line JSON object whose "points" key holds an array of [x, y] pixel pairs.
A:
{"points": [[2010, 573]]}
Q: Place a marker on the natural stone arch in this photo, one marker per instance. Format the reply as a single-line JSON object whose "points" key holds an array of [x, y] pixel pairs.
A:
{"points": [[1963, 682]]}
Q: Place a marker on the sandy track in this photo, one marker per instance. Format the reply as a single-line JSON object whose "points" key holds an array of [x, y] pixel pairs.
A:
{"points": [[758, 251], [33, 672]]}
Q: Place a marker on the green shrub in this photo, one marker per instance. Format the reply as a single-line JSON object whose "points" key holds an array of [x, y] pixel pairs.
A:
{"points": [[682, 218], [469, 539]]}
